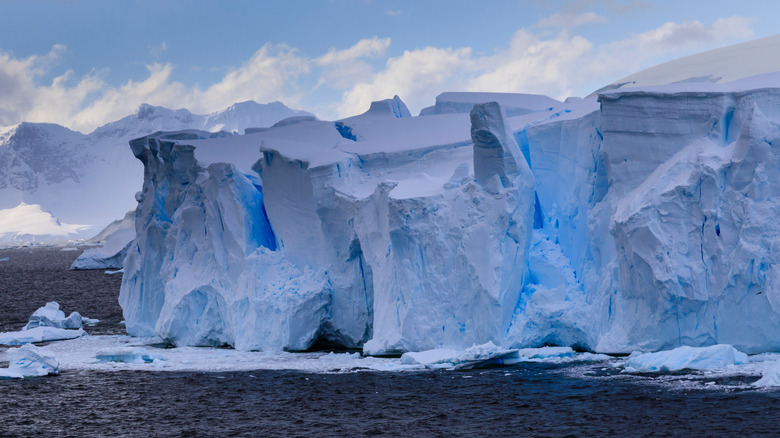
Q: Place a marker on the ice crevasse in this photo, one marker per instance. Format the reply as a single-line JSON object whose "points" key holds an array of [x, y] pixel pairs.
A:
{"points": [[641, 219]]}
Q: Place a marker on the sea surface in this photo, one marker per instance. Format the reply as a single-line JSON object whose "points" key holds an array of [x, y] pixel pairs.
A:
{"points": [[531, 399]]}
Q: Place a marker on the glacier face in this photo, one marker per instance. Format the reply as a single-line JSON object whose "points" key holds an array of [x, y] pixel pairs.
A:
{"points": [[643, 219]]}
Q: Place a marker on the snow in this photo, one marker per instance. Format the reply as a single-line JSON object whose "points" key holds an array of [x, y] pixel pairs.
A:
{"points": [[30, 361], [514, 104], [82, 354], [39, 334], [681, 358], [25, 223], [726, 64]]}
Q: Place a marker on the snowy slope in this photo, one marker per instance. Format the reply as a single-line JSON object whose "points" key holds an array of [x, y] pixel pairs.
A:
{"points": [[726, 64], [91, 179]]}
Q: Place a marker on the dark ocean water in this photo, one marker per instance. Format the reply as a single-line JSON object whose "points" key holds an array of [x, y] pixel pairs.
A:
{"points": [[527, 400]]}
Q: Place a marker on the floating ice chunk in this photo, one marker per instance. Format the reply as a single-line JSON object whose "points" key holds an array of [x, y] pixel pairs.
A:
{"points": [[429, 357], [771, 377], [30, 361], [476, 356], [126, 355], [696, 358], [118, 271], [50, 315], [39, 334], [4, 259], [558, 355], [546, 352]]}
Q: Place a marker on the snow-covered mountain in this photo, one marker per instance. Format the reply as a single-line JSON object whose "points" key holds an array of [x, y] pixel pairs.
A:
{"points": [[90, 180], [644, 218]]}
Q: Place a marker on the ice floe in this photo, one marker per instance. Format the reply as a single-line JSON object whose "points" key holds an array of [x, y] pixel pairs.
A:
{"points": [[30, 361]]}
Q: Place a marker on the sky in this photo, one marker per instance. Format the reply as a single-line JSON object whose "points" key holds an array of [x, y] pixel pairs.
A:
{"points": [[82, 64]]}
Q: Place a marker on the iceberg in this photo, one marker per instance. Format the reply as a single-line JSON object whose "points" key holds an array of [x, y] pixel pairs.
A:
{"points": [[114, 240], [50, 315], [639, 219], [681, 358], [476, 356], [770, 377], [30, 361], [39, 334]]}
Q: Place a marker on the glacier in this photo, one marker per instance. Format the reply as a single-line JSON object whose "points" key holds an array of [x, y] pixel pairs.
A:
{"points": [[639, 219]]}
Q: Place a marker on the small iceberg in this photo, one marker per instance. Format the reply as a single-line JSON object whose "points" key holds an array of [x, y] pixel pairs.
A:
{"points": [[39, 334], [126, 355], [30, 361], [477, 356], [50, 315], [558, 355], [770, 378], [694, 358]]}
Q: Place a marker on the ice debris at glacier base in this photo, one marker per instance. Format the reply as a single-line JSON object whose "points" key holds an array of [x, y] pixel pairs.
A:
{"points": [[39, 334], [48, 323], [473, 357], [50, 315], [770, 377], [29, 361], [686, 357], [126, 355], [639, 220]]}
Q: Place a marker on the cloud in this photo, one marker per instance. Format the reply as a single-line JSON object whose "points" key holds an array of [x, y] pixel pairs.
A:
{"points": [[535, 61], [417, 77], [571, 20], [559, 66], [343, 68], [158, 50], [89, 102], [364, 48]]}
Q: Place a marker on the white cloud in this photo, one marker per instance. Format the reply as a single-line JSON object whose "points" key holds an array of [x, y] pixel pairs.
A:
{"points": [[534, 62], [364, 48], [559, 66], [269, 75], [343, 68], [417, 77]]}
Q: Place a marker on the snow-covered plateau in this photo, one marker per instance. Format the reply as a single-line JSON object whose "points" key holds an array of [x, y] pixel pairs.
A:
{"points": [[639, 219]]}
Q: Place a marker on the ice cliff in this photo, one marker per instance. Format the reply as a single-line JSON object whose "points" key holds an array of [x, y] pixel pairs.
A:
{"points": [[643, 218]]}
